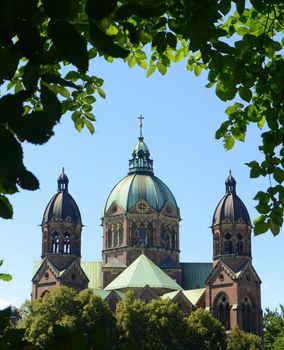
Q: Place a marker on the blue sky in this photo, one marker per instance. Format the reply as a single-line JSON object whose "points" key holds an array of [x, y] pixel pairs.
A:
{"points": [[181, 117]]}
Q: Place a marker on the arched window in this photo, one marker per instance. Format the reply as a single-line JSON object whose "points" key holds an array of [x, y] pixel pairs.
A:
{"points": [[173, 243], [67, 243], [109, 238], [141, 236], [44, 293], [120, 235], [55, 242], [217, 244], [247, 319], [222, 310], [239, 244], [115, 237], [165, 239], [228, 248]]}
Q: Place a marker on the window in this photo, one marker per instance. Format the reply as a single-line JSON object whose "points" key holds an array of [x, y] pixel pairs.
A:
{"points": [[239, 244], [115, 237], [141, 236], [109, 238], [55, 242], [228, 249], [173, 245], [165, 239], [67, 243], [120, 235], [222, 310], [247, 320]]}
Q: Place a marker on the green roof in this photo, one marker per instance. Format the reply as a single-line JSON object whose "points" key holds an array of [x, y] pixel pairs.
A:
{"points": [[141, 273], [93, 270], [135, 187], [195, 274], [105, 293], [194, 295]]}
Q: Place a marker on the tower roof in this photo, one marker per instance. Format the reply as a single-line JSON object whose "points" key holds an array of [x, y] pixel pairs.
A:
{"points": [[231, 207], [140, 183], [141, 273], [62, 206]]}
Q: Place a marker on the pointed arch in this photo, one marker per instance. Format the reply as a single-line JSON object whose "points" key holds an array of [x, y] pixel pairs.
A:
{"points": [[247, 313], [222, 309], [67, 243], [55, 242]]}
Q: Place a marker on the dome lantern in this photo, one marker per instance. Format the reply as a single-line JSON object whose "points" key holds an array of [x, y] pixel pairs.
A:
{"points": [[140, 161], [62, 182]]}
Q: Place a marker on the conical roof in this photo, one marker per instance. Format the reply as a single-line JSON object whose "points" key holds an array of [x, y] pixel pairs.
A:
{"points": [[141, 273]]}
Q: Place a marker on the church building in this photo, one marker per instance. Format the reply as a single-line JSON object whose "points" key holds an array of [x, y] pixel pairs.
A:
{"points": [[141, 249]]}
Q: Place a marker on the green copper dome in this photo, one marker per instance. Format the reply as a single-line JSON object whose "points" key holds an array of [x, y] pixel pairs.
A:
{"points": [[140, 183]]}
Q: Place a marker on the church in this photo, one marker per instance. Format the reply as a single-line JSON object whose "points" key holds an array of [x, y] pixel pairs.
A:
{"points": [[141, 249]]}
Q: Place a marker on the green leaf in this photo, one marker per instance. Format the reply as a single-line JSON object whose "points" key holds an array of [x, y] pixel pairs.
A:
{"points": [[5, 277], [90, 116], [162, 68], [240, 6], [101, 92], [278, 175], [131, 61], [105, 43], [90, 126], [31, 76], [63, 34], [263, 208], [99, 9], [245, 94], [28, 181], [197, 70], [6, 209], [274, 227], [260, 228], [50, 103], [36, 127], [151, 70], [228, 142], [53, 78]]}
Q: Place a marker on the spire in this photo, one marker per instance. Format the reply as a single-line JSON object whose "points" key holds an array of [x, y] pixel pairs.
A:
{"points": [[140, 161], [141, 118], [62, 182], [230, 183]]}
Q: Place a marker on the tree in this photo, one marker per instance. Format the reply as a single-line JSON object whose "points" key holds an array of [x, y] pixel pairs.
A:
{"points": [[132, 321], [273, 323], [64, 316], [205, 332], [240, 340], [237, 42], [166, 328]]}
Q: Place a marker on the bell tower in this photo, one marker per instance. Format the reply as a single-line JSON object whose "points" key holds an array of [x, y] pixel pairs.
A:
{"points": [[140, 216], [233, 286], [61, 243]]}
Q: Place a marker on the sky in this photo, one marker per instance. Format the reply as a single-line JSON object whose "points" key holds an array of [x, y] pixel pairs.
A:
{"points": [[181, 117]]}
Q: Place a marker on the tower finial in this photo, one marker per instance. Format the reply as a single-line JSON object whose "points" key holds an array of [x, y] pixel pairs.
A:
{"points": [[230, 172], [141, 118]]}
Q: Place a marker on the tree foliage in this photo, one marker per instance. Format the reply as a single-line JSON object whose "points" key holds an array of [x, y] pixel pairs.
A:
{"points": [[4, 276], [80, 319], [205, 332], [273, 328], [240, 340], [238, 43]]}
